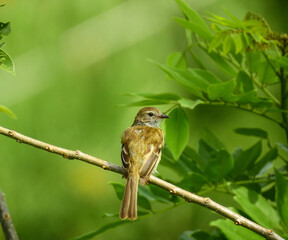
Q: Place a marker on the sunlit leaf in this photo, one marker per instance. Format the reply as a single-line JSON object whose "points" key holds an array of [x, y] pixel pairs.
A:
{"points": [[257, 207], [193, 16], [203, 78], [222, 64], [221, 90], [177, 60], [177, 132], [238, 42], [227, 44], [188, 103], [7, 111], [282, 196], [6, 62], [183, 78], [217, 40], [195, 27], [223, 21], [233, 231]]}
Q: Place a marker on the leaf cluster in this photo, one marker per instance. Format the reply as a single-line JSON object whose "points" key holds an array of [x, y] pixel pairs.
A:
{"points": [[6, 62], [249, 58]]}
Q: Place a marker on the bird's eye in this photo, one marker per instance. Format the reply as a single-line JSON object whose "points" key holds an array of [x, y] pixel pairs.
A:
{"points": [[150, 114]]}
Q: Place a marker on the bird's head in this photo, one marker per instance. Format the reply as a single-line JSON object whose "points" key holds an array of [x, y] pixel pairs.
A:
{"points": [[149, 116]]}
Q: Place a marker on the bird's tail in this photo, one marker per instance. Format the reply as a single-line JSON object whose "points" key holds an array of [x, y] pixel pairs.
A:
{"points": [[129, 202]]}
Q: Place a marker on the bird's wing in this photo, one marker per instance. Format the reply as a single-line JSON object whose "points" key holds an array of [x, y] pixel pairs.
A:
{"points": [[150, 162], [125, 156]]}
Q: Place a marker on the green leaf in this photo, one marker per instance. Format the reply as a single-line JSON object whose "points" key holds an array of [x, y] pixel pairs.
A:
{"points": [[217, 40], [144, 202], [222, 21], [255, 132], [101, 230], [253, 60], [193, 16], [213, 140], [203, 78], [177, 132], [266, 73], [177, 60], [145, 192], [216, 163], [119, 189], [283, 146], [7, 111], [259, 165], [161, 194], [282, 62], [221, 90], [6, 62], [219, 166], [233, 231], [197, 61], [193, 182], [238, 42], [244, 160], [282, 196], [257, 207], [194, 235], [245, 82], [188, 103], [227, 44], [195, 27], [222, 64], [182, 77], [5, 28]]}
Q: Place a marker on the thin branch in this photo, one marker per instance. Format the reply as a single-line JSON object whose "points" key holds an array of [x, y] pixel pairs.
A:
{"points": [[6, 220], [188, 196]]}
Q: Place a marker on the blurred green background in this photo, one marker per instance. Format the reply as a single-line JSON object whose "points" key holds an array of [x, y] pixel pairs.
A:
{"points": [[74, 60]]}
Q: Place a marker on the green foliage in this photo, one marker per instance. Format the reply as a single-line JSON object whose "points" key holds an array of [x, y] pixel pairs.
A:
{"points": [[177, 132], [250, 58], [6, 61]]}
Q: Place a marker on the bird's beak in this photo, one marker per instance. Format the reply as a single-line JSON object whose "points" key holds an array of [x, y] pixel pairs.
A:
{"points": [[163, 116]]}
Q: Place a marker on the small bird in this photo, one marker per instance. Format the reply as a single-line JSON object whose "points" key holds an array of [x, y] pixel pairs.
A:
{"points": [[140, 155]]}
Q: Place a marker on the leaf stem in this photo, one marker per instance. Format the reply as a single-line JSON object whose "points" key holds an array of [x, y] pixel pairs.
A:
{"points": [[245, 109]]}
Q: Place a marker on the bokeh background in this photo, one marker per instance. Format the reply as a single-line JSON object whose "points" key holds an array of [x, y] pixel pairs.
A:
{"points": [[74, 61]]}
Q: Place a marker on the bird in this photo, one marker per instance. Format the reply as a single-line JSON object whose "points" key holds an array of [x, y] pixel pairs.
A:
{"points": [[140, 155]]}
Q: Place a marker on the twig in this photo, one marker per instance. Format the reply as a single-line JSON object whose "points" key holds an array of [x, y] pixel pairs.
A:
{"points": [[6, 220], [188, 196]]}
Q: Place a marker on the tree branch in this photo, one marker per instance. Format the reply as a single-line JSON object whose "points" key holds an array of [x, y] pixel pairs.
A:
{"points": [[188, 196], [6, 220]]}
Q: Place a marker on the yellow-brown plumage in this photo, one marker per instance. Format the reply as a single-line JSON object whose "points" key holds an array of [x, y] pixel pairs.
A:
{"points": [[141, 153]]}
